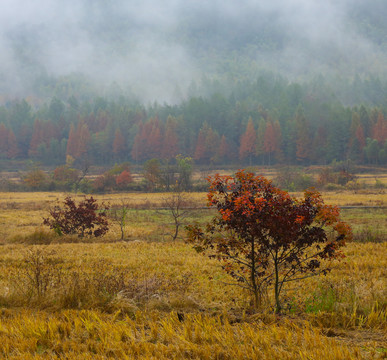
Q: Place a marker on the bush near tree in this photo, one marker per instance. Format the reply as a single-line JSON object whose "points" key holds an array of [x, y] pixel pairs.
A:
{"points": [[265, 238], [117, 178], [36, 179], [85, 219]]}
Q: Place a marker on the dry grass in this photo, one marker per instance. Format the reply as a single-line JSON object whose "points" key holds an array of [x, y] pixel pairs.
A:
{"points": [[43, 200], [162, 300], [93, 335], [373, 179], [21, 214], [150, 298], [354, 198]]}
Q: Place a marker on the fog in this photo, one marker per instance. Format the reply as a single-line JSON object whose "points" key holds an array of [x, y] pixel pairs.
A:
{"points": [[155, 49]]}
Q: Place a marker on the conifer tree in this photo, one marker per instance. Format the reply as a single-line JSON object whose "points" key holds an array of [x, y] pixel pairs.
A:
{"points": [[303, 137], [119, 144], [270, 142], [12, 150], [379, 130], [248, 141], [3, 140], [37, 138], [170, 146]]}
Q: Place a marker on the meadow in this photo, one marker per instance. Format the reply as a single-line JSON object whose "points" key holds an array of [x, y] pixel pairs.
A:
{"points": [[149, 297]]}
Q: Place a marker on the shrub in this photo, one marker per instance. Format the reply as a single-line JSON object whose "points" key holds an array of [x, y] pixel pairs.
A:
{"points": [[333, 187], [328, 176], [65, 174], [39, 237], [36, 179], [104, 182], [379, 184], [119, 177], [265, 237], [82, 219], [38, 272], [123, 180], [293, 180], [354, 185]]}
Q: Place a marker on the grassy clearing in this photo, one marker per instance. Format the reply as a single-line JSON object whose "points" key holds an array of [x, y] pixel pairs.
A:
{"points": [[21, 214], [148, 297]]}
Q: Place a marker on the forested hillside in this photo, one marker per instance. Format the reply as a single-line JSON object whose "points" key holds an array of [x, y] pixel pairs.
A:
{"points": [[266, 122], [269, 83]]}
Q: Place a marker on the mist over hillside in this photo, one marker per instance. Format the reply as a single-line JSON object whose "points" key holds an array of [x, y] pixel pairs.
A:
{"points": [[155, 50]]}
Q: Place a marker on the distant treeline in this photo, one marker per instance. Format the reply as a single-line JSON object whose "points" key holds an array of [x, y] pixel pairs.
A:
{"points": [[267, 121]]}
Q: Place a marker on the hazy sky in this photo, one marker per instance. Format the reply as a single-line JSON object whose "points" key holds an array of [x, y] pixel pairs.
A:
{"points": [[141, 45]]}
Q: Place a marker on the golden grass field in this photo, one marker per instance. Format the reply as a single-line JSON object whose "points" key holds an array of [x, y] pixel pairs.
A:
{"points": [[151, 298], [22, 213]]}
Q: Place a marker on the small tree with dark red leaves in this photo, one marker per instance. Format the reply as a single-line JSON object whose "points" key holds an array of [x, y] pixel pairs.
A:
{"points": [[84, 219], [267, 238]]}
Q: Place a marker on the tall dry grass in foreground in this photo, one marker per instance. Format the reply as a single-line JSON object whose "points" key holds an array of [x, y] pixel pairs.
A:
{"points": [[94, 335], [162, 300]]}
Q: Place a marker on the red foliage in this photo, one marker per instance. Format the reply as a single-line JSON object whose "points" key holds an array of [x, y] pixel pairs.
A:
{"points": [[124, 179], [264, 236], [84, 219]]}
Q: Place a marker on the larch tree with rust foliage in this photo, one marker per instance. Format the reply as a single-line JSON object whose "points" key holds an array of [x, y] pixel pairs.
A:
{"points": [[266, 238], [248, 142]]}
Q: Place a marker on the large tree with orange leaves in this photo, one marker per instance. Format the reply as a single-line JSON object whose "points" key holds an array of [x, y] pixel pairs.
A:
{"points": [[265, 237]]}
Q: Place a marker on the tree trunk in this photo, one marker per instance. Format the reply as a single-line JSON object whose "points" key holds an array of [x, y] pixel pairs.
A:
{"points": [[276, 285], [253, 279]]}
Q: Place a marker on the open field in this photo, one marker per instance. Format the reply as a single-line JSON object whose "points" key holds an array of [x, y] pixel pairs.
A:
{"points": [[21, 213], [148, 297]]}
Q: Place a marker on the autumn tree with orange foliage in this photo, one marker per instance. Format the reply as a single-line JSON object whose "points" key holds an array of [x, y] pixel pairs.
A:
{"points": [[170, 146], [267, 238], [13, 150], [148, 141], [3, 140], [272, 140], [248, 142], [379, 130], [119, 144]]}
